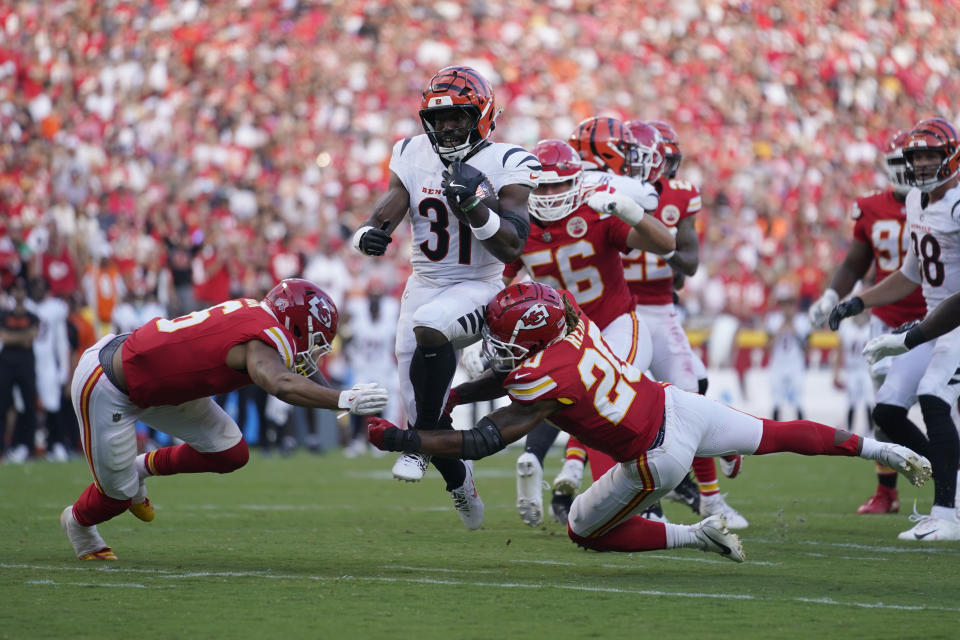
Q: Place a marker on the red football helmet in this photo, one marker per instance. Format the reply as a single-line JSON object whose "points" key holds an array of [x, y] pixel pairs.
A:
{"points": [[462, 90], [894, 163], [521, 321], [650, 148], [671, 146], [938, 135], [561, 165], [310, 315], [606, 144]]}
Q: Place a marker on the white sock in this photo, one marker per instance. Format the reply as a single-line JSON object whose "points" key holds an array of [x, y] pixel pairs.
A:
{"points": [[141, 464], [871, 449], [681, 535], [944, 513]]}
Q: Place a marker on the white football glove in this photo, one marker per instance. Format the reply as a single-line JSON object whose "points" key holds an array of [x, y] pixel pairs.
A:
{"points": [[363, 399], [624, 207], [883, 346], [820, 310], [473, 362]]}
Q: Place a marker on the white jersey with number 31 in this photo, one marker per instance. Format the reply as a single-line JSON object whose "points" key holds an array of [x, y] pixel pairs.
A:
{"points": [[444, 250]]}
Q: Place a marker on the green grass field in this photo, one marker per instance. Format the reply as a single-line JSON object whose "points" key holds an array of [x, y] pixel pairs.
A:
{"points": [[325, 547]]}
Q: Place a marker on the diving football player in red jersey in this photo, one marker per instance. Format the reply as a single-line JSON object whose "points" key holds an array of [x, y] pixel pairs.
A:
{"points": [[558, 367], [165, 373], [880, 239], [576, 242]]}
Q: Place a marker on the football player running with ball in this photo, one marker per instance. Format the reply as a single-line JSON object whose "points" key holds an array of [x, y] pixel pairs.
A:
{"points": [[467, 200], [555, 365], [932, 155], [165, 374]]}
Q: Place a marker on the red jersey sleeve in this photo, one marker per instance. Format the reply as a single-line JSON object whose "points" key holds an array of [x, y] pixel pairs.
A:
{"points": [[511, 270]]}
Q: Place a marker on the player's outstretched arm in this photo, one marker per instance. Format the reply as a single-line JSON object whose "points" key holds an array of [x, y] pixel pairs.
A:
{"points": [[492, 433], [854, 266], [687, 258], [647, 234], [944, 319], [265, 367], [373, 236], [892, 288]]}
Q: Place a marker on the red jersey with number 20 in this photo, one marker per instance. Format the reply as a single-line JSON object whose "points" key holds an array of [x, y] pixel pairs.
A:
{"points": [[169, 362], [649, 276], [608, 404], [880, 223]]}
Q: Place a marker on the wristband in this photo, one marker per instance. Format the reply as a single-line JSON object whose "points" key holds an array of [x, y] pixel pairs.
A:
{"points": [[358, 235], [489, 228], [667, 256], [914, 337], [474, 201]]}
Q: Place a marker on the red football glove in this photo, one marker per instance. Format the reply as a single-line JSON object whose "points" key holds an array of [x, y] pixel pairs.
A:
{"points": [[376, 431]]}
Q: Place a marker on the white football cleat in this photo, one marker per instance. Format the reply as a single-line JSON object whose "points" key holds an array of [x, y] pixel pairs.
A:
{"points": [[906, 461], [530, 489], [930, 528], [716, 504], [410, 467], [86, 541], [713, 535], [568, 480], [467, 501]]}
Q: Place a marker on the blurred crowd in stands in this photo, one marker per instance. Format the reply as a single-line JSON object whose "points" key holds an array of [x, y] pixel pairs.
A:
{"points": [[178, 153]]}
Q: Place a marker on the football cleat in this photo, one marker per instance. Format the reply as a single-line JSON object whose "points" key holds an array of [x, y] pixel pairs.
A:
{"points": [[410, 467], [930, 528], [909, 463], [716, 504], [730, 466], [86, 541], [560, 507], [654, 512], [530, 489], [568, 480], [467, 501], [143, 510], [686, 492], [885, 500], [713, 535]]}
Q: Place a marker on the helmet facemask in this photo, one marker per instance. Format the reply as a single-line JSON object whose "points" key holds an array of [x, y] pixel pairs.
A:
{"points": [[549, 207], [928, 175], [452, 143], [503, 356], [896, 166], [307, 362]]}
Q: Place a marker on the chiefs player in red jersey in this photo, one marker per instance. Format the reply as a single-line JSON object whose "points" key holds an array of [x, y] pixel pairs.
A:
{"points": [[165, 373], [555, 365], [576, 244], [880, 239]]}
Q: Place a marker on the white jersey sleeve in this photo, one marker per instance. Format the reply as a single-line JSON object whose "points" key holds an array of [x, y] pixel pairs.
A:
{"points": [[643, 193]]}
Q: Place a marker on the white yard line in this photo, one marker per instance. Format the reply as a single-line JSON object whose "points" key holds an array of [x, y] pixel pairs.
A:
{"points": [[162, 573]]}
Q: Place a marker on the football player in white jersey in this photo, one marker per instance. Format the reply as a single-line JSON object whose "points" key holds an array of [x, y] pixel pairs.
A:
{"points": [[467, 198], [932, 155]]}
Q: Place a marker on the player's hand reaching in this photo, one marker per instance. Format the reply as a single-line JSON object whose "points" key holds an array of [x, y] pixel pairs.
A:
{"points": [[363, 399], [851, 307], [386, 436], [820, 310], [888, 344], [460, 183], [624, 207]]}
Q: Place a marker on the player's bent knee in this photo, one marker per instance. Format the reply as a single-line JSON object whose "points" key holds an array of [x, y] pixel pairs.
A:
{"points": [[579, 540], [229, 460]]}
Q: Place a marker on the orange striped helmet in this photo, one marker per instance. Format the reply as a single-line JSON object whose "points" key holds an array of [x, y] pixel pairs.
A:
{"points": [[932, 134], [458, 91], [606, 144]]}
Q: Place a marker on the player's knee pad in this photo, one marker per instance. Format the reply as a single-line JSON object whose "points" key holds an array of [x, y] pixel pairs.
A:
{"points": [[229, 460]]}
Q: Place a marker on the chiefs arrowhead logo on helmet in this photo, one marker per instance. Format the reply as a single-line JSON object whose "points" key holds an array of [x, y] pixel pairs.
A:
{"points": [[320, 311], [521, 321], [534, 318]]}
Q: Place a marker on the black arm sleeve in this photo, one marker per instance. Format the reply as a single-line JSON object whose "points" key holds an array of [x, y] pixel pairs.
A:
{"points": [[481, 441], [522, 225], [406, 440]]}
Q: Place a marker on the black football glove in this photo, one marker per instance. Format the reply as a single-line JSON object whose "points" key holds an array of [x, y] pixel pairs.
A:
{"points": [[374, 242], [851, 307], [906, 326], [460, 183]]}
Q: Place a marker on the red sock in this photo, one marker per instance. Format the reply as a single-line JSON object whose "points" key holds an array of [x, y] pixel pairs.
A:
{"points": [[575, 451], [185, 459], [636, 534], [705, 469], [807, 438], [94, 507]]}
